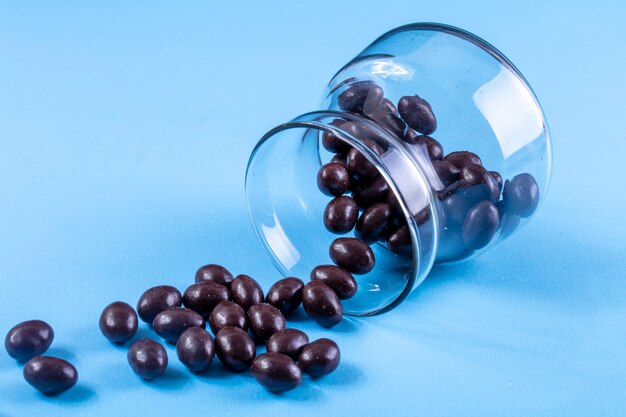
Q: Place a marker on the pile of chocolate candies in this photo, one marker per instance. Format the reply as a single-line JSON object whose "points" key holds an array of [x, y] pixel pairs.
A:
{"points": [[238, 314], [471, 209]]}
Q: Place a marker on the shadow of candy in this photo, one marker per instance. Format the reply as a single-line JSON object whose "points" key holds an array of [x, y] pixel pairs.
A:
{"points": [[172, 379], [78, 394]]}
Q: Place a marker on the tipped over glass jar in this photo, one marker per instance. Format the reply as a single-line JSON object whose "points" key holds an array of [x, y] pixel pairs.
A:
{"points": [[431, 149]]}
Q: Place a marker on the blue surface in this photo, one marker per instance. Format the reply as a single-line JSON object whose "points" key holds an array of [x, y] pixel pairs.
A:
{"points": [[124, 135]]}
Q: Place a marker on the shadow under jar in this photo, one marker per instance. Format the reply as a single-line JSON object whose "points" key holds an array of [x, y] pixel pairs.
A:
{"points": [[447, 149]]}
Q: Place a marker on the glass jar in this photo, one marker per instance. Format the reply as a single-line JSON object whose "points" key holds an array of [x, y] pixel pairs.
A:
{"points": [[416, 91]]}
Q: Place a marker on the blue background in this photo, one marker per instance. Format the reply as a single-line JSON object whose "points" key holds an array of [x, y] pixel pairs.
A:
{"points": [[125, 129]]}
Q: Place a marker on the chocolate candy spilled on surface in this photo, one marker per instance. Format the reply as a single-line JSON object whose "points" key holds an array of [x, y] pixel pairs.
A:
{"points": [[462, 158], [265, 320], [480, 225], [246, 291], [171, 323], [341, 215], [28, 339], [373, 223], [203, 297], [333, 179], [320, 357], [341, 281], [50, 375], [157, 299], [195, 349], [286, 295], [227, 313], [276, 372], [521, 195], [214, 273], [289, 342], [235, 348], [322, 304], [118, 322], [147, 358], [418, 114], [352, 254]]}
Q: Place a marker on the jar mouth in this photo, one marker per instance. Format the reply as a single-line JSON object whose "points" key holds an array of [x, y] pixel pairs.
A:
{"points": [[396, 165]]}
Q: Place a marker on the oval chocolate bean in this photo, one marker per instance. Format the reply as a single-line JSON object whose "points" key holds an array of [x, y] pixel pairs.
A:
{"points": [[462, 158], [480, 225], [50, 375], [265, 320], [214, 273], [353, 98], [246, 291], [147, 358], [342, 282], [203, 297], [227, 313], [333, 179], [157, 299], [195, 349], [118, 322], [473, 175], [352, 254], [340, 159], [28, 339], [399, 242], [288, 342], [321, 303], [521, 195], [334, 144], [320, 357], [447, 173], [286, 295], [276, 372], [418, 114], [368, 192], [497, 178], [373, 223], [235, 348], [171, 323], [508, 221], [383, 111], [358, 164], [428, 145], [341, 215]]}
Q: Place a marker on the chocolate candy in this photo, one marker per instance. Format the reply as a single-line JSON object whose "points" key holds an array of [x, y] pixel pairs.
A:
{"points": [[385, 113], [480, 225], [418, 114], [447, 173], [171, 323], [342, 282], [235, 348], [353, 98], [276, 372], [341, 159], [286, 295], [321, 303], [214, 273], [320, 357], [50, 375], [118, 322], [430, 146], [227, 313], [358, 164], [288, 342], [147, 358], [156, 300], [195, 349], [497, 178], [521, 195], [508, 221], [399, 242], [341, 215], [462, 158], [475, 175], [246, 291], [352, 254], [370, 191], [28, 339], [373, 223], [333, 179], [265, 320], [203, 297]]}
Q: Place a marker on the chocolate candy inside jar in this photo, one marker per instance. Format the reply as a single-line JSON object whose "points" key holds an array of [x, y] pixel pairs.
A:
{"points": [[431, 149]]}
